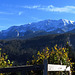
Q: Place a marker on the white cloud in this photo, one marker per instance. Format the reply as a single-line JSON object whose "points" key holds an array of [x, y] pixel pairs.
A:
{"points": [[20, 13], [51, 8], [66, 9], [32, 7]]}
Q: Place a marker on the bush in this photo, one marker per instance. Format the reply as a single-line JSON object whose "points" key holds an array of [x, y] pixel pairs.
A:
{"points": [[4, 62], [54, 56]]}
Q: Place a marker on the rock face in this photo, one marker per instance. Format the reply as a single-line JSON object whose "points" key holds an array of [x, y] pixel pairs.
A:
{"points": [[46, 26]]}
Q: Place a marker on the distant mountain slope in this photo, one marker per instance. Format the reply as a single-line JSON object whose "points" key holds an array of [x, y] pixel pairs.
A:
{"points": [[38, 28], [72, 31]]}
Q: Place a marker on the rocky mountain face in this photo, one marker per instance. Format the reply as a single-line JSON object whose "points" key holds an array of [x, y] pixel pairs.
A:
{"points": [[39, 28]]}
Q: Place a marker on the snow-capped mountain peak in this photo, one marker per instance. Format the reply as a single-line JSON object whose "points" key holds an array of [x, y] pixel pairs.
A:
{"points": [[66, 22], [71, 22], [42, 25]]}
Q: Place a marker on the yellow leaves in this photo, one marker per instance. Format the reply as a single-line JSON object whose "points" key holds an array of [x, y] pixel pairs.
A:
{"points": [[0, 48], [66, 54], [63, 48], [27, 63], [38, 53], [59, 49], [55, 46], [33, 56], [46, 51], [10, 64], [43, 56], [52, 51], [60, 53], [47, 48], [69, 60], [72, 63], [1, 73], [8, 61], [32, 60], [3, 60], [32, 71], [4, 53], [37, 60], [40, 57], [54, 56], [67, 42]]}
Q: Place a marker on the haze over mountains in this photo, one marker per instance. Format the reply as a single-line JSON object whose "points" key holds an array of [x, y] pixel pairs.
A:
{"points": [[39, 28]]}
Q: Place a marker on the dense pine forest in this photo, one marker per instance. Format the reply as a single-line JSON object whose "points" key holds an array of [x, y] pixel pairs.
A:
{"points": [[21, 51]]}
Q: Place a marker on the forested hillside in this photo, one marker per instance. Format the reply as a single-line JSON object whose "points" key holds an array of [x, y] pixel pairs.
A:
{"points": [[22, 50]]}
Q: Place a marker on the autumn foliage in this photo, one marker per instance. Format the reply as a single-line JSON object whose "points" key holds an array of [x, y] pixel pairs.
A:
{"points": [[54, 56], [4, 62]]}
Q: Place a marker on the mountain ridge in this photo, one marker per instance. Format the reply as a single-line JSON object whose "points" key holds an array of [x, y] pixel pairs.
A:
{"points": [[48, 26]]}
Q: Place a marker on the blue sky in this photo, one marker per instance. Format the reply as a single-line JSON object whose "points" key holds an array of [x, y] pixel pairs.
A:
{"points": [[19, 12]]}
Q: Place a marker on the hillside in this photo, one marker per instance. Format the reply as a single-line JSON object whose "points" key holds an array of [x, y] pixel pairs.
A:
{"points": [[22, 50]]}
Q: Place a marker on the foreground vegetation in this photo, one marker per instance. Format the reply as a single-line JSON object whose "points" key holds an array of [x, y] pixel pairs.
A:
{"points": [[54, 56], [4, 62]]}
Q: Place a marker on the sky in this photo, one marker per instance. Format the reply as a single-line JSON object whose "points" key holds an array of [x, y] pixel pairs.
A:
{"points": [[20, 12]]}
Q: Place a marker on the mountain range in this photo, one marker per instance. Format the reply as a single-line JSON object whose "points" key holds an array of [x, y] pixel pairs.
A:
{"points": [[53, 31], [39, 28]]}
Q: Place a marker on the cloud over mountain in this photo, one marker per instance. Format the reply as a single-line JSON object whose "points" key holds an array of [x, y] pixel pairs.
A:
{"points": [[51, 8]]}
